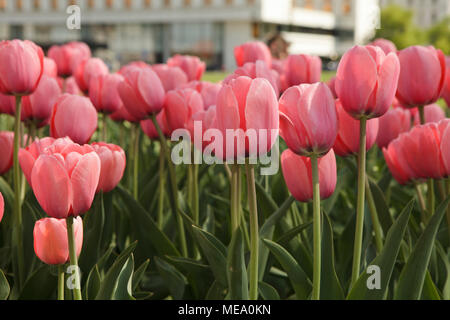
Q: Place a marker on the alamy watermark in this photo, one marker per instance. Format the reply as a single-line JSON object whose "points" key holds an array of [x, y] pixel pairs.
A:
{"points": [[73, 21]]}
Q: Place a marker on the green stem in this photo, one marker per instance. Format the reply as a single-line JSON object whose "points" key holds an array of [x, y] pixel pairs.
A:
{"points": [[360, 201], [374, 215], [195, 195], [234, 192], [431, 198], [422, 114], [317, 228], [105, 127], [73, 257], [423, 207], [254, 233], [61, 282], [174, 188], [136, 162], [162, 180]]}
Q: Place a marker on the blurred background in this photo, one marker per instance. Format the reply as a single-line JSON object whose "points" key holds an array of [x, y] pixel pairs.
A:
{"points": [[120, 31]]}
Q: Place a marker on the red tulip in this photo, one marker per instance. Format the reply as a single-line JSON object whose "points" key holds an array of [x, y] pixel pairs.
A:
{"points": [[39, 105], [247, 104], [103, 92], [87, 70], [7, 104], [171, 77], [21, 67], [308, 119], [2, 206], [386, 45], [301, 68], [422, 76], [392, 124], [7, 147], [75, 117], [366, 81], [297, 172], [142, 92], [252, 52], [347, 141], [149, 128], [433, 113], [446, 90], [113, 162], [64, 177], [180, 106], [50, 68], [192, 66], [68, 56], [51, 244]]}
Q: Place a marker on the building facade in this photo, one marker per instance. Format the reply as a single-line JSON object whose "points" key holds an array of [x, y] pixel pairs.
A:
{"points": [[153, 30]]}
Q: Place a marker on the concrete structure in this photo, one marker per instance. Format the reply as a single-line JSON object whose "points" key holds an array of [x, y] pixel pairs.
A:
{"points": [[153, 30], [426, 12]]}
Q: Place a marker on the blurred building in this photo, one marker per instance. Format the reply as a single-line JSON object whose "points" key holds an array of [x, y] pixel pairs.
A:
{"points": [[153, 30], [426, 12]]}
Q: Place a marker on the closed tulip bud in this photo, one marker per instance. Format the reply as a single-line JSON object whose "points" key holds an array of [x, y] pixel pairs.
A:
{"points": [[38, 106], [347, 141], [444, 127], [113, 162], [208, 120], [422, 76], [366, 81], [149, 128], [252, 52], [446, 90], [68, 56], [51, 244], [50, 68], [302, 68], [171, 77], [433, 113], [21, 67], [332, 85], [142, 92], [7, 104], [208, 90], [135, 64], [386, 45], [180, 106], [392, 124], [297, 172], [2, 206], [308, 119], [75, 117], [71, 86], [7, 148], [192, 66], [103, 92], [88, 70], [123, 115]]}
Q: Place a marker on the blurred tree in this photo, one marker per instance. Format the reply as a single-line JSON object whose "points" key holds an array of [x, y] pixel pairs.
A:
{"points": [[439, 35]]}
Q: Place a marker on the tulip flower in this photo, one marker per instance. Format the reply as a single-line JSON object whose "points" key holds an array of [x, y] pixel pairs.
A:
{"points": [[446, 90], [366, 81], [308, 119], [7, 147], [208, 120], [332, 85], [386, 45], [150, 130], [113, 162], [68, 56], [50, 240], [252, 52], [171, 77], [103, 92], [87, 70], [122, 114], [21, 67], [70, 85], [391, 125], [50, 68], [135, 64], [444, 128], [38, 106], [297, 172], [180, 106], [7, 104], [433, 113], [73, 116], [2, 206], [301, 69], [208, 90], [422, 76], [142, 92], [192, 66]]}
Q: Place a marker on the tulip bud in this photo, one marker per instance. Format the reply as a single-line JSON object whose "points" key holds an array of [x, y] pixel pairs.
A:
{"points": [[386, 45], [252, 52], [446, 90], [392, 124], [103, 92], [433, 113], [88, 70], [302, 68], [180, 106], [113, 162], [149, 128], [7, 148], [171, 77], [192, 66], [50, 68], [444, 127]]}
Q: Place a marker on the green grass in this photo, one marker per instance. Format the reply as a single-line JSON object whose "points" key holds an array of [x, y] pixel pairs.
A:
{"points": [[217, 76]]}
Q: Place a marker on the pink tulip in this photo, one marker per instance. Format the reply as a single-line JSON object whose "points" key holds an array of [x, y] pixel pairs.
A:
{"points": [[21, 67], [123, 115], [50, 68], [180, 106], [279, 65], [70, 86], [7, 148], [301, 68], [386, 45], [208, 121], [64, 176], [208, 90], [433, 113], [392, 124], [139, 64], [103, 92], [171, 77], [192, 66], [444, 127], [75, 117], [68, 56], [446, 90], [347, 141], [308, 119], [297, 172], [332, 85], [87, 70], [113, 162], [142, 92], [247, 104], [51, 244], [252, 52], [2, 206], [366, 81], [39, 105], [7, 104], [422, 76], [149, 128]]}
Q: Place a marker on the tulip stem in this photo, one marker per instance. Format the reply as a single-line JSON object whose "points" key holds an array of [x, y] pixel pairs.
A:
{"points": [[360, 201], [431, 198], [195, 195], [234, 192], [60, 282], [423, 207], [374, 215], [136, 162], [17, 233], [162, 180], [174, 188], [73, 258], [422, 114], [254, 233], [105, 127], [317, 228]]}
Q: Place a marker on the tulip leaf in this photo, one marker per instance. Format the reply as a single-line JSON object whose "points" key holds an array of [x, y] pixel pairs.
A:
{"points": [[385, 260], [215, 292], [174, 280], [41, 285], [413, 275], [139, 274], [289, 235], [268, 292], [4, 286], [382, 207], [297, 277], [124, 290], [92, 284], [237, 272], [429, 291]]}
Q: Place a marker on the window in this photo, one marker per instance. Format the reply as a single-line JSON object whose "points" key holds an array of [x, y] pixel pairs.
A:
{"points": [[109, 4], [347, 7], [327, 5]]}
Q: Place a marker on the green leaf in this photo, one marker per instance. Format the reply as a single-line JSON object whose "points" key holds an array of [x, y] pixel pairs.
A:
{"points": [[124, 289], [429, 291], [297, 277], [216, 292], [268, 292], [4, 286], [384, 215], [237, 272], [174, 279], [385, 260], [412, 277], [289, 235], [41, 285], [92, 284], [139, 274]]}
